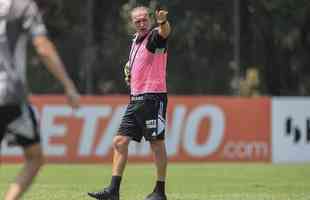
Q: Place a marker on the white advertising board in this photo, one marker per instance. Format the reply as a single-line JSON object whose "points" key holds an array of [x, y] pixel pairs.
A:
{"points": [[290, 129]]}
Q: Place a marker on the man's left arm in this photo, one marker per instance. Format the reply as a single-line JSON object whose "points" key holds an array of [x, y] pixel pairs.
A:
{"points": [[164, 28]]}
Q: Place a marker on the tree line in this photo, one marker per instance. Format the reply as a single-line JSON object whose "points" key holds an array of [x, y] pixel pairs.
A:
{"points": [[93, 38]]}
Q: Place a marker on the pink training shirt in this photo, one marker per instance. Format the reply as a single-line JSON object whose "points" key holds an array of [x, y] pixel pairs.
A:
{"points": [[148, 70]]}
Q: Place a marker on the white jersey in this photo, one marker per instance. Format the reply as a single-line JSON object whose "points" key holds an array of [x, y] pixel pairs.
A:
{"points": [[20, 20]]}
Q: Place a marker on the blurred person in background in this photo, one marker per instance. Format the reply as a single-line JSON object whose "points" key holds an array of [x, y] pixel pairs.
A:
{"points": [[21, 21], [250, 85], [145, 116]]}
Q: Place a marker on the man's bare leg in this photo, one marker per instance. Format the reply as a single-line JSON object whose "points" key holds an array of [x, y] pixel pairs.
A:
{"points": [[120, 156], [160, 159], [33, 162], [120, 147]]}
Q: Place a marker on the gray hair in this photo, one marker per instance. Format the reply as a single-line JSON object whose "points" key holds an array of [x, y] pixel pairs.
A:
{"points": [[139, 8]]}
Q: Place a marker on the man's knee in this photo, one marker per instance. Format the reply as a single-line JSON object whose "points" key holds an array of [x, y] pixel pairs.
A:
{"points": [[120, 143], [34, 155], [158, 146]]}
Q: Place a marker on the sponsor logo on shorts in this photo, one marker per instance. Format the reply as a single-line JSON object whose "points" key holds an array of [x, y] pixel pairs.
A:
{"points": [[150, 124]]}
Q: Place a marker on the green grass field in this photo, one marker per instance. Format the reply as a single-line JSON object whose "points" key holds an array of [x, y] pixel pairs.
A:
{"points": [[185, 181]]}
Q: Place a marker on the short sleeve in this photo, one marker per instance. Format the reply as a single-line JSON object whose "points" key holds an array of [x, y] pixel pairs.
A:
{"points": [[32, 21], [156, 43]]}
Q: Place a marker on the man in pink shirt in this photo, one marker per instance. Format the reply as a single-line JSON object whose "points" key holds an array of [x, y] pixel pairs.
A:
{"points": [[146, 113]]}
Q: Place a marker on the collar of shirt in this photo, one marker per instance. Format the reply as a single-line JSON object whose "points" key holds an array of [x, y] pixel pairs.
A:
{"points": [[140, 39]]}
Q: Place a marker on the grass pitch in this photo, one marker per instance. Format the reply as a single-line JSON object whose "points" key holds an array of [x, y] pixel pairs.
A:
{"points": [[205, 181]]}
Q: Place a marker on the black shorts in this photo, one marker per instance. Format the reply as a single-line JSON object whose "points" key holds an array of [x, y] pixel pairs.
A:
{"points": [[7, 115], [145, 116], [23, 129]]}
